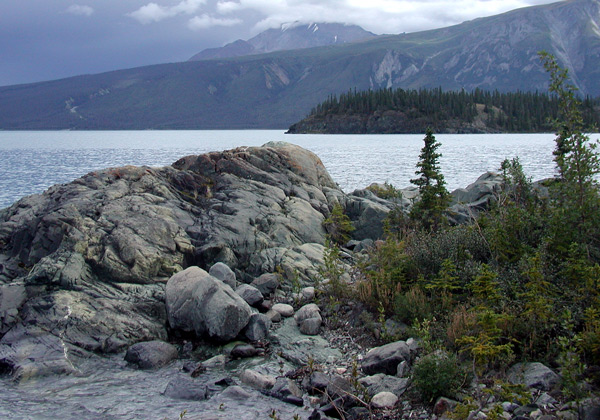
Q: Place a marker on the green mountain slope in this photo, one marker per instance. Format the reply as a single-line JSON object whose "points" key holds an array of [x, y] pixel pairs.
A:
{"points": [[274, 90]]}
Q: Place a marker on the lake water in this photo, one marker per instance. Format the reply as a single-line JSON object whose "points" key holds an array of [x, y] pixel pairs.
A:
{"points": [[31, 161], [106, 388]]}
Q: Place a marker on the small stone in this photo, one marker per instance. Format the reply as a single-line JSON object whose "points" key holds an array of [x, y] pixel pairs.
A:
{"points": [[545, 400], [402, 369], [308, 294], [443, 405], [186, 389], [306, 312], [257, 380], [341, 370], [266, 283], [509, 406], [339, 387], [566, 415], [257, 328], [151, 354], [284, 387], [384, 400], [216, 361], [284, 309], [525, 410], [316, 382], [310, 326], [274, 316], [250, 294], [224, 273], [242, 351], [292, 399]]}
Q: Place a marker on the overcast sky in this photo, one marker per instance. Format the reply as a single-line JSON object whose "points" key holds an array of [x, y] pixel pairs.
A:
{"points": [[50, 39]]}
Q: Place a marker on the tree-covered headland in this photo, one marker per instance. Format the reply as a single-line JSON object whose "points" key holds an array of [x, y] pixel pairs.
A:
{"points": [[413, 111]]}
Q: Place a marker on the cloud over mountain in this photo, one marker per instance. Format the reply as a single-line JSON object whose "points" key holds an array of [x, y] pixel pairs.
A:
{"points": [[153, 12]]}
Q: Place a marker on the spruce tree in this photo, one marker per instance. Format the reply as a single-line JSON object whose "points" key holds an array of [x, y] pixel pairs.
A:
{"points": [[577, 210], [434, 197]]}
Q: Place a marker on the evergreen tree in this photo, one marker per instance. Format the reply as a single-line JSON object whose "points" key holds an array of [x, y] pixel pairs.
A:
{"points": [[577, 215], [434, 197]]}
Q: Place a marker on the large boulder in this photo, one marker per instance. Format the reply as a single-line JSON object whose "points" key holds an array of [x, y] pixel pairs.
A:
{"points": [[533, 375], [478, 196], [385, 359], [198, 302]]}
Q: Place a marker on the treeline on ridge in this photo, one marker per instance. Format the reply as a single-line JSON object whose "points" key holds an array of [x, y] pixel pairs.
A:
{"points": [[412, 111]]}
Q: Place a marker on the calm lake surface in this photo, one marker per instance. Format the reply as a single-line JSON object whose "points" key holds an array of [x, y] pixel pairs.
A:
{"points": [[31, 161], [107, 388]]}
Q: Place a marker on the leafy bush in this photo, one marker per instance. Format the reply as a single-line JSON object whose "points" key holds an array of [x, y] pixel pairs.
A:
{"points": [[437, 375], [338, 225], [387, 191]]}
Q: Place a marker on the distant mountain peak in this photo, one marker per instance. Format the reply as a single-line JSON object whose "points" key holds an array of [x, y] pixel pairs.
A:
{"points": [[289, 36]]}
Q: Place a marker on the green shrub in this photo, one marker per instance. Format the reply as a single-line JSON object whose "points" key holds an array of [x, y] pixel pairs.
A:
{"points": [[438, 375], [387, 191], [338, 225]]}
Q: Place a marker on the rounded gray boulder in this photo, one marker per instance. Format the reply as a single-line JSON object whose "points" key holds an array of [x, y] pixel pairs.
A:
{"points": [[151, 354], [198, 302]]}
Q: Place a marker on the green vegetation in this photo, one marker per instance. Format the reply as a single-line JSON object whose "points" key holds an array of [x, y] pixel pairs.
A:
{"points": [[402, 111], [338, 225], [434, 198], [519, 283], [437, 374]]}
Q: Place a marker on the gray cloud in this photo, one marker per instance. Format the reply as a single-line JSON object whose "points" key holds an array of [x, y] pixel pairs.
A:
{"points": [[77, 9], [153, 12], [205, 22], [379, 16], [42, 40]]}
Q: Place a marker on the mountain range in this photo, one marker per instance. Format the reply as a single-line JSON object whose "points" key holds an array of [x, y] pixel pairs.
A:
{"points": [[292, 36], [276, 89]]}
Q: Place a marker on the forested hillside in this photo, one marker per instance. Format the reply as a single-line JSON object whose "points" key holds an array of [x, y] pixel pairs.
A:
{"points": [[413, 111]]}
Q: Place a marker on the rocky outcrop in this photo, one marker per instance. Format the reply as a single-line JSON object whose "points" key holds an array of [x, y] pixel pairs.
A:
{"points": [[83, 267]]}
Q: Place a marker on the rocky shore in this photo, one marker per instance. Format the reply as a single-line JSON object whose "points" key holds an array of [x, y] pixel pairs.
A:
{"points": [[205, 271]]}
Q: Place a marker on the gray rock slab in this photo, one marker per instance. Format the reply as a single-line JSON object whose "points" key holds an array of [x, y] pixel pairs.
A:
{"points": [[299, 348]]}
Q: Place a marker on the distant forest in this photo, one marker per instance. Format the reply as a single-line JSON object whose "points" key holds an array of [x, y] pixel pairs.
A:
{"points": [[502, 112]]}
